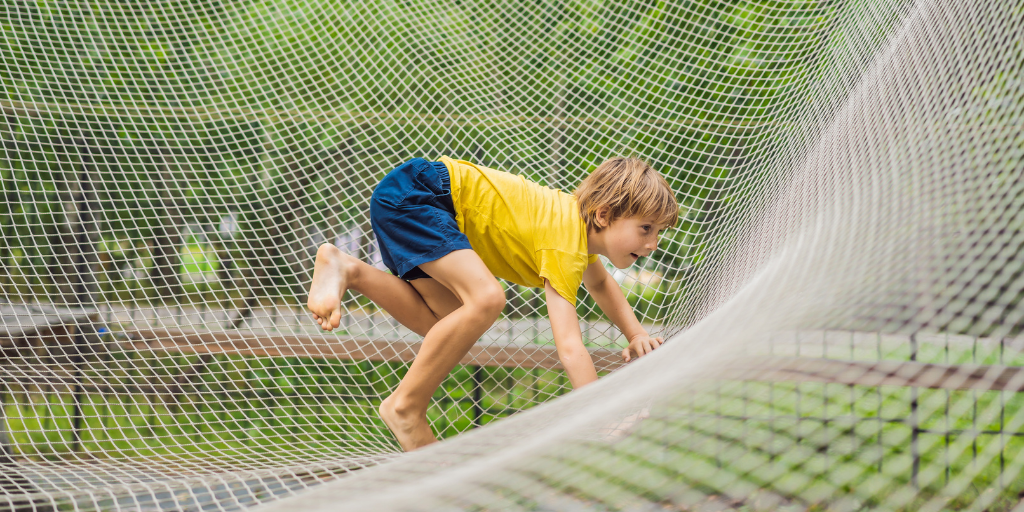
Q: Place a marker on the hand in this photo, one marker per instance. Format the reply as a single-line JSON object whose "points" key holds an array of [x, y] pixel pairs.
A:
{"points": [[640, 345]]}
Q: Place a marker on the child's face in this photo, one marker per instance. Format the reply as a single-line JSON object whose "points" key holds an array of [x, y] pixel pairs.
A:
{"points": [[631, 238]]}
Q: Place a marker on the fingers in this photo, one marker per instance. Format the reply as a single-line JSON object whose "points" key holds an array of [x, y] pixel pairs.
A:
{"points": [[646, 346], [656, 342], [642, 347]]}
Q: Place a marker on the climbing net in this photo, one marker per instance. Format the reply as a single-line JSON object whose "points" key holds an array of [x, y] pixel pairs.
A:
{"points": [[842, 292]]}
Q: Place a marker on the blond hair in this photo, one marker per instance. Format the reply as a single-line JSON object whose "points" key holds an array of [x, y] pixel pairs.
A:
{"points": [[628, 187]]}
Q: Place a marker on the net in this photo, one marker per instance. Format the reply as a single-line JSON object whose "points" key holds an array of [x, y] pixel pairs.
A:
{"points": [[842, 292]]}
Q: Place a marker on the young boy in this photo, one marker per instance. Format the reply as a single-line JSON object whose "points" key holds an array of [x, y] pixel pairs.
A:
{"points": [[447, 229]]}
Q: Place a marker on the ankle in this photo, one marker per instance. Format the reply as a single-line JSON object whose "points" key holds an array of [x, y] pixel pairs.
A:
{"points": [[404, 407], [349, 269]]}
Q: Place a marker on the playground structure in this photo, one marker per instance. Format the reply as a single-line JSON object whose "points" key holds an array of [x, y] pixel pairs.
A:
{"points": [[842, 294]]}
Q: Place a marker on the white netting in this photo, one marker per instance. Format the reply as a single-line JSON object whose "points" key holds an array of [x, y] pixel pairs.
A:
{"points": [[842, 291]]}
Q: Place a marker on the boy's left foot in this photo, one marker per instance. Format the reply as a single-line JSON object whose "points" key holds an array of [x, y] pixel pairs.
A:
{"points": [[330, 280]]}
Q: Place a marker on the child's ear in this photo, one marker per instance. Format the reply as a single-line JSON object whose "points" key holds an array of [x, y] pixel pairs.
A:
{"points": [[601, 216]]}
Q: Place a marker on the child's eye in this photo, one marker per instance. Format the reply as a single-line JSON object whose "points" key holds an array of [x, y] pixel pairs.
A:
{"points": [[647, 229]]}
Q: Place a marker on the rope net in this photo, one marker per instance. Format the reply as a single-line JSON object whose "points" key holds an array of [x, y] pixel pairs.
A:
{"points": [[841, 294]]}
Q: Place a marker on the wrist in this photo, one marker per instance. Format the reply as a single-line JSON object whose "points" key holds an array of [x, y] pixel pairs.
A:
{"points": [[636, 334]]}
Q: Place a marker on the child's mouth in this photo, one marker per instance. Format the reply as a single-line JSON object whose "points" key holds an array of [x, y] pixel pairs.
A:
{"points": [[634, 255]]}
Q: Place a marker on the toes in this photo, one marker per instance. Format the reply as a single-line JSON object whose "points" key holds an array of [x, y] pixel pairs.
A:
{"points": [[335, 320]]}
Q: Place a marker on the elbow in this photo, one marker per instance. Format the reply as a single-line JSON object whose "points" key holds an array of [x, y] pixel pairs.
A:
{"points": [[578, 366], [572, 355]]}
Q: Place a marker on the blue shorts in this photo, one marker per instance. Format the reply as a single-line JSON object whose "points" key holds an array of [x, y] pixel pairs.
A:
{"points": [[413, 217]]}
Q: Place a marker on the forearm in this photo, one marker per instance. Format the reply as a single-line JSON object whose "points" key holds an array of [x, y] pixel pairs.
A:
{"points": [[565, 327], [575, 358], [613, 303]]}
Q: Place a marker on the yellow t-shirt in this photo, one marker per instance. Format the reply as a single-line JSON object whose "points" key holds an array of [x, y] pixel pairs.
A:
{"points": [[524, 232]]}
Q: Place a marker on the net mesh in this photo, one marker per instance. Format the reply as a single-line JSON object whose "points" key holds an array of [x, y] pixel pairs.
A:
{"points": [[842, 292]]}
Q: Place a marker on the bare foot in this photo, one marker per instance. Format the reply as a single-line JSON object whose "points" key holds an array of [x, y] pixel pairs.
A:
{"points": [[330, 280], [412, 431]]}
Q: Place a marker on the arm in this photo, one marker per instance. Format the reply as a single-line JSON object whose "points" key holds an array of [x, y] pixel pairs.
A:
{"points": [[569, 340], [609, 298]]}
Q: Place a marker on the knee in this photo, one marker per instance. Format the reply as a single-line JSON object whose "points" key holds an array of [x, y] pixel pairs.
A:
{"points": [[491, 301]]}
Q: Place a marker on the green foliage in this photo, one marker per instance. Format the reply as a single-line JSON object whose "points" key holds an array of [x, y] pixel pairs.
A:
{"points": [[273, 111], [231, 405]]}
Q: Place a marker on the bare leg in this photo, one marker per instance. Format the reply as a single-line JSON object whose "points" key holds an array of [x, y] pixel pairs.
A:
{"points": [[334, 272], [464, 278], [482, 299]]}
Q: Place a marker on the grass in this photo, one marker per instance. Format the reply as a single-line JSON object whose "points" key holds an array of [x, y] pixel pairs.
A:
{"points": [[908, 445], [231, 405], [807, 446]]}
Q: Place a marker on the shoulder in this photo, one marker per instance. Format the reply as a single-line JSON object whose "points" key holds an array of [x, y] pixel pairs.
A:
{"points": [[564, 270], [557, 213]]}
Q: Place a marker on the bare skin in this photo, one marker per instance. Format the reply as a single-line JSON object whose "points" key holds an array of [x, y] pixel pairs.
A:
{"points": [[330, 280], [335, 272], [451, 311]]}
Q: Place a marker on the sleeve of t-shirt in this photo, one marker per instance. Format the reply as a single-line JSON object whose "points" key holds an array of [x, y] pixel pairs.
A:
{"points": [[564, 271]]}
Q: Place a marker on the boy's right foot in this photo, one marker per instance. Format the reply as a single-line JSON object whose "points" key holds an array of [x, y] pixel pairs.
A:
{"points": [[330, 280], [412, 431]]}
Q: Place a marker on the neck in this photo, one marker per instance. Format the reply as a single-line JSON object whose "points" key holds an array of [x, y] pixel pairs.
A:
{"points": [[595, 242]]}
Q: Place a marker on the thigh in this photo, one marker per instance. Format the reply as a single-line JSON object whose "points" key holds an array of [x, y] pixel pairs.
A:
{"points": [[438, 298], [464, 274]]}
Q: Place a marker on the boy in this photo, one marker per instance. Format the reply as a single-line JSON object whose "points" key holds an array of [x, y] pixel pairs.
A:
{"points": [[447, 229]]}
